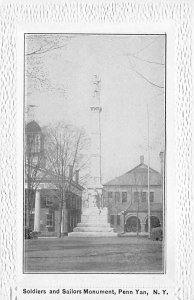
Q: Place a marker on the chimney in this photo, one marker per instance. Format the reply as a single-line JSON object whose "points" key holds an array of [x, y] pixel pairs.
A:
{"points": [[161, 155], [77, 176], [141, 159], [70, 171]]}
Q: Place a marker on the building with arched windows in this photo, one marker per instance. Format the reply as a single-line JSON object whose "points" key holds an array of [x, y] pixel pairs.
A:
{"points": [[127, 199]]}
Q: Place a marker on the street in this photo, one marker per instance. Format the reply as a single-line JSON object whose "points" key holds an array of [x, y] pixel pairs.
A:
{"points": [[93, 255]]}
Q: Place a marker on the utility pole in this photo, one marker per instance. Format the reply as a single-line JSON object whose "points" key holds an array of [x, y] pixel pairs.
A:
{"points": [[138, 215], [149, 227]]}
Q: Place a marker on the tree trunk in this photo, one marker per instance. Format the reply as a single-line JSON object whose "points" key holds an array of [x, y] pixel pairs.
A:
{"points": [[60, 217]]}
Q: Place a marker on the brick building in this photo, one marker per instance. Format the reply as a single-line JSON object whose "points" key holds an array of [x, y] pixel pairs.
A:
{"points": [[127, 199], [42, 199]]}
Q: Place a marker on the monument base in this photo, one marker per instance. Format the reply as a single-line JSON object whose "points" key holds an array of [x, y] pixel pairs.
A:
{"points": [[94, 223]]}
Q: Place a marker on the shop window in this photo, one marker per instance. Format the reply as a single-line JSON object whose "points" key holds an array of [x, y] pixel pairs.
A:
{"points": [[49, 220], [124, 197], [118, 219]]}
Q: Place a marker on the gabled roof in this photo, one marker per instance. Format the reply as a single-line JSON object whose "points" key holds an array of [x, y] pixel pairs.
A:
{"points": [[137, 176]]}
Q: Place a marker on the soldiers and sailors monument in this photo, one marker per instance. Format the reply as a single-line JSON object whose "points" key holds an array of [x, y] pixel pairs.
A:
{"points": [[94, 219]]}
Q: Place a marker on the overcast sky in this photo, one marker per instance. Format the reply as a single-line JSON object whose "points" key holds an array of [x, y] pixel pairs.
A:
{"points": [[132, 70]]}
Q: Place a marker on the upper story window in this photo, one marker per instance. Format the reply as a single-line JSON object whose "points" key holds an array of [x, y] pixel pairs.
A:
{"points": [[143, 196], [34, 143], [46, 201], [37, 143], [117, 196], [124, 197], [49, 201], [151, 196], [136, 196]]}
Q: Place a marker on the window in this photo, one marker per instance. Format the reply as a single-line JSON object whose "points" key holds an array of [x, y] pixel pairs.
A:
{"points": [[136, 196], [124, 197], [144, 194], [79, 218], [49, 220], [33, 143], [151, 196], [73, 202], [109, 195], [37, 143], [43, 202], [48, 201], [78, 203], [117, 197], [118, 219], [112, 219], [68, 203]]}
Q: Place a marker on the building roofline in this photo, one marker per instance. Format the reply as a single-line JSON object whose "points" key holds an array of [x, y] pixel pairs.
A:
{"points": [[142, 164], [45, 180], [128, 172]]}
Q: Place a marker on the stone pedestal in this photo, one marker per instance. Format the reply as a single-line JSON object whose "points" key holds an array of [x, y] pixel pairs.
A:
{"points": [[94, 220]]}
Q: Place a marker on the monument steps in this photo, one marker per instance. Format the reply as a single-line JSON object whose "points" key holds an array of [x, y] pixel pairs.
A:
{"points": [[94, 225], [92, 234], [93, 229], [94, 222]]}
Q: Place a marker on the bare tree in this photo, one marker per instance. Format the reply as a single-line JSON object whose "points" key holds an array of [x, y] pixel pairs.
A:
{"points": [[134, 57], [37, 49], [65, 147]]}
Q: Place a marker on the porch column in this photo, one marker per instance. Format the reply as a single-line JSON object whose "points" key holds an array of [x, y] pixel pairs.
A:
{"points": [[37, 212]]}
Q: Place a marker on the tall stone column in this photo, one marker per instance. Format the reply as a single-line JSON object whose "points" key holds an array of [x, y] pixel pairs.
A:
{"points": [[37, 212], [95, 147], [95, 187], [94, 220]]}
